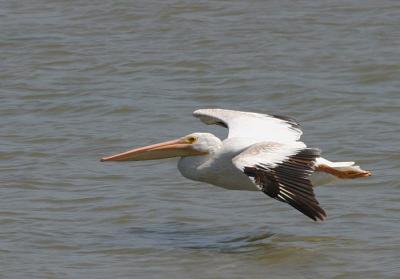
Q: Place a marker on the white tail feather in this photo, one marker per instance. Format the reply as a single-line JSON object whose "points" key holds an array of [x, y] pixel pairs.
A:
{"points": [[342, 166], [323, 161]]}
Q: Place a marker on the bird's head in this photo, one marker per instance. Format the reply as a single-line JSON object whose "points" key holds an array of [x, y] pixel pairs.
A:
{"points": [[203, 142], [194, 144]]}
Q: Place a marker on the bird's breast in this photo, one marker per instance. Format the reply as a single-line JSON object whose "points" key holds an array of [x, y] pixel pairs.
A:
{"points": [[216, 170]]}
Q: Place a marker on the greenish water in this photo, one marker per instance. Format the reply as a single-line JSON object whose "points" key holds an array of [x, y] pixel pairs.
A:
{"points": [[83, 79]]}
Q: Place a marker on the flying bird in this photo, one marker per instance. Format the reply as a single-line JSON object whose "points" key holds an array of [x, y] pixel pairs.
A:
{"points": [[261, 153]]}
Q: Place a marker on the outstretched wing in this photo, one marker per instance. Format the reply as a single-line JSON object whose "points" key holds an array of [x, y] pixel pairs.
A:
{"points": [[258, 126], [283, 173]]}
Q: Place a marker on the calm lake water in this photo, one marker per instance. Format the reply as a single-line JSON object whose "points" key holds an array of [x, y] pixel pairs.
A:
{"points": [[84, 79]]}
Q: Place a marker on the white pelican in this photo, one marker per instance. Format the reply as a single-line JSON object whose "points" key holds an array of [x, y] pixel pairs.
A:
{"points": [[261, 153]]}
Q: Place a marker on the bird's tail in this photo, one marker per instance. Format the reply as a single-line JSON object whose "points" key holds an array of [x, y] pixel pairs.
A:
{"points": [[343, 170]]}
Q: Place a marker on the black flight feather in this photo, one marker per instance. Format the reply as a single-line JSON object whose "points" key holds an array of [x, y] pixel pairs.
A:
{"points": [[289, 182]]}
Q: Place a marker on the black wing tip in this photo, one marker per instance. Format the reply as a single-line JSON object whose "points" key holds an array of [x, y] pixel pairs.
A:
{"points": [[320, 217], [311, 210], [299, 167], [288, 119], [289, 182], [307, 205]]}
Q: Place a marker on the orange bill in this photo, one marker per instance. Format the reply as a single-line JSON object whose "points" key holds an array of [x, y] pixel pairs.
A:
{"points": [[168, 149]]}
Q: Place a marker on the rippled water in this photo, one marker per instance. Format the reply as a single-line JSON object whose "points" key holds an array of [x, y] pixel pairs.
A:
{"points": [[84, 79]]}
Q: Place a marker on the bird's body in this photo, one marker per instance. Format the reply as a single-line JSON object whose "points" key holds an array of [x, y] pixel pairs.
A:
{"points": [[217, 167], [261, 152]]}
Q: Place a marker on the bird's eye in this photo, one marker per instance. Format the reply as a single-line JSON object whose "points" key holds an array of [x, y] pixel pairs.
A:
{"points": [[191, 139]]}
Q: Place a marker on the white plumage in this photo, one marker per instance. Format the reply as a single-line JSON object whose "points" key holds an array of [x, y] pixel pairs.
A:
{"points": [[262, 152], [259, 127]]}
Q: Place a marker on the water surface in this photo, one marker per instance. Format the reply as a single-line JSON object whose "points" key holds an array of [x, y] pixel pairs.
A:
{"points": [[84, 79]]}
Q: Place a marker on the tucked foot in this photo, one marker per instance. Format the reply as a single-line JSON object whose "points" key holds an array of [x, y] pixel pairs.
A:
{"points": [[344, 173]]}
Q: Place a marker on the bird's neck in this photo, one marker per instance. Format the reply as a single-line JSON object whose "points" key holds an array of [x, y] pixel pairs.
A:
{"points": [[193, 167], [205, 167]]}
